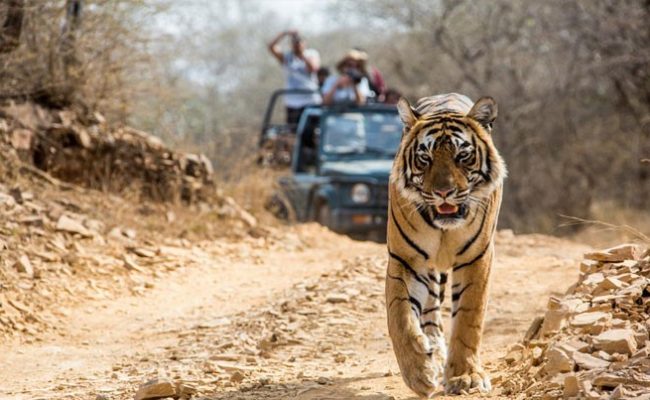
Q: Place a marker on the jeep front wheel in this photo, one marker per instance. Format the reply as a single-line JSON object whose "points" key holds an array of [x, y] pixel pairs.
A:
{"points": [[323, 215]]}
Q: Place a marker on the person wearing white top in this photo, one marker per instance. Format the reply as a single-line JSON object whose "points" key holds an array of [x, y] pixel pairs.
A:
{"points": [[351, 84], [300, 66]]}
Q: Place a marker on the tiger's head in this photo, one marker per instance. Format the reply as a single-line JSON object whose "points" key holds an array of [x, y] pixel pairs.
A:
{"points": [[448, 165]]}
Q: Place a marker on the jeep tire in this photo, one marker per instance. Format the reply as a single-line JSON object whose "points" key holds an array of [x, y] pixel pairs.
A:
{"points": [[323, 215]]}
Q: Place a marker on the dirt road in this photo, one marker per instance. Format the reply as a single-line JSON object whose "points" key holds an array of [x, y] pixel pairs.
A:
{"points": [[301, 317]]}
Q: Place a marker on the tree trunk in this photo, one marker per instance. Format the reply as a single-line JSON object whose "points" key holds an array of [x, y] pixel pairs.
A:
{"points": [[12, 26]]}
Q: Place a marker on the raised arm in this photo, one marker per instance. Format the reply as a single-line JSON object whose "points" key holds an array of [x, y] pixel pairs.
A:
{"points": [[275, 49]]}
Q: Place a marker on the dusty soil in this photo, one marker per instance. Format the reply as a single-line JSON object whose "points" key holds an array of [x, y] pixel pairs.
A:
{"points": [[299, 316]]}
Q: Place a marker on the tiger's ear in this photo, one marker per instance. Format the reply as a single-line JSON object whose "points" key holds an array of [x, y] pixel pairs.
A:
{"points": [[408, 115], [485, 111]]}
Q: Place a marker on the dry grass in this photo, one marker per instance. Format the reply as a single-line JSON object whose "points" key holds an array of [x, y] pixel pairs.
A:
{"points": [[253, 188], [611, 224]]}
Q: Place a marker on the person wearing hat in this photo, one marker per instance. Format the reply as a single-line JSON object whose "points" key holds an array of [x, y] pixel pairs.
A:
{"points": [[350, 85], [375, 77], [300, 66]]}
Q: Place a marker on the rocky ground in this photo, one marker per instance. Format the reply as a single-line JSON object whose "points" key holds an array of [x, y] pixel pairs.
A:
{"points": [[286, 312], [78, 146], [593, 342], [182, 293], [82, 245]]}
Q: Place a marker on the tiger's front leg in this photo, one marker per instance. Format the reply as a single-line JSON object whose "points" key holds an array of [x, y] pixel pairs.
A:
{"points": [[411, 332], [469, 293], [431, 318]]}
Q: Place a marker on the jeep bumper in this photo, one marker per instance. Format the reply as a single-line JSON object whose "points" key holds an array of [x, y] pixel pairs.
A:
{"points": [[358, 220]]}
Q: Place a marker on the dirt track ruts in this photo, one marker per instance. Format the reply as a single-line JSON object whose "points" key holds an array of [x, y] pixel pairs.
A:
{"points": [[304, 320]]}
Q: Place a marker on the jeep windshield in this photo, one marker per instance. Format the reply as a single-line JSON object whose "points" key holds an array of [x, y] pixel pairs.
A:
{"points": [[375, 134]]}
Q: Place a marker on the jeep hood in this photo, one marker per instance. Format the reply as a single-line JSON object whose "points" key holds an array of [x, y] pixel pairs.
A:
{"points": [[372, 168]]}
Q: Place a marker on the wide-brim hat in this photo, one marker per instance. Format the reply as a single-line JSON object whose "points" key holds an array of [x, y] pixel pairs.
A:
{"points": [[354, 55]]}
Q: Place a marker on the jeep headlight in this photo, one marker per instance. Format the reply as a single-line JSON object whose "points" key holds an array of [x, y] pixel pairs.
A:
{"points": [[360, 193]]}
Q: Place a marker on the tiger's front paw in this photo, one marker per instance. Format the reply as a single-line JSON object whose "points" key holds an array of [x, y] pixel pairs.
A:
{"points": [[422, 376], [463, 383], [421, 366]]}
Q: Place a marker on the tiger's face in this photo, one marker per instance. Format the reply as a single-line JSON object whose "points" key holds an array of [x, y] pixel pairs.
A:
{"points": [[448, 164]]}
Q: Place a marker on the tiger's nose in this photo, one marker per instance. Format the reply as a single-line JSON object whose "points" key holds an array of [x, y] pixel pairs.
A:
{"points": [[443, 192]]}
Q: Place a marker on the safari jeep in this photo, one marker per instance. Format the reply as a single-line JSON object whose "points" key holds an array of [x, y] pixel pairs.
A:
{"points": [[340, 165]]}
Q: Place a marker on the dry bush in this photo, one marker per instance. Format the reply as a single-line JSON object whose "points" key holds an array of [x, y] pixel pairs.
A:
{"points": [[240, 176], [84, 60], [253, 191], [214, 75], [572, 79]]}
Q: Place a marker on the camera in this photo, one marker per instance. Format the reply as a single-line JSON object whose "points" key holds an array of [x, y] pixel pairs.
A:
{"points": [[355, 75]]}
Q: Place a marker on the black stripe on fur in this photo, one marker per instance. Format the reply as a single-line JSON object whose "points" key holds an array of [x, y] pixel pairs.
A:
{"points": [[417, 304], [457, 267], [406, 238], [471, 241], [423, 280], [426, 216], [456, 296]]}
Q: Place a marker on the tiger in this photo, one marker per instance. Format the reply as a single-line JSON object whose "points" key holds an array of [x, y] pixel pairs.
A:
{"points": [[445, 191]]}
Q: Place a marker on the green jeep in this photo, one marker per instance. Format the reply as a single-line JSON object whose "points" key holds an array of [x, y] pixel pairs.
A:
{"points": [[341, 161]]}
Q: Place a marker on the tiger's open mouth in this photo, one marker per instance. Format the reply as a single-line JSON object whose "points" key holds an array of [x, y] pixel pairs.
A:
{"points": [[446, 210]]}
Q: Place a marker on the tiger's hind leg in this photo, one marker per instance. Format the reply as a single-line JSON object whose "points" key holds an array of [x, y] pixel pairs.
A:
{"points": [[407, 295], [469, 302]]}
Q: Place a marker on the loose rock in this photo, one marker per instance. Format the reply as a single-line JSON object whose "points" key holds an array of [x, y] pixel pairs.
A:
{"points": [[603, 350], [620, 341], [590, 318], [587, 361], [617, 254], [337, 298], [67, 224], [571, 386], [24, 265], [155, 389], [557, 361], [237, 377], [555, 316]]}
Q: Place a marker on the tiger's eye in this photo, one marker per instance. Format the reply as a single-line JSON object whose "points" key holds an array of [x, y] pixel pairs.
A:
{"points": [[424, 159], [464, 157]]}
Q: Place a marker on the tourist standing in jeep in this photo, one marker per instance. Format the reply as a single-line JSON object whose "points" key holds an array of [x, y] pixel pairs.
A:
{"points": [[300, 66]]}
